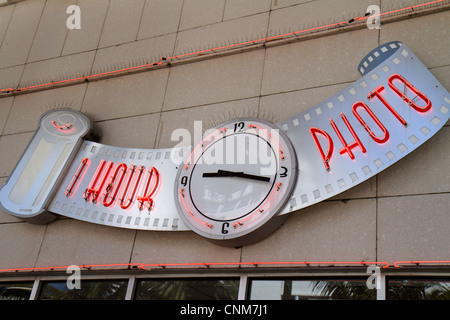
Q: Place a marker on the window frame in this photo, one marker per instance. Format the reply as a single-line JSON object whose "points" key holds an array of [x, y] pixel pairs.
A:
{"points": [[244, 275], [6, 281], [198, 278], [42, 284], [416, 277], [333, 278]]}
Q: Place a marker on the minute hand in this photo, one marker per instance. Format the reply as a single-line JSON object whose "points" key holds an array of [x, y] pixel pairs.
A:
{"points": [[226, 173]]}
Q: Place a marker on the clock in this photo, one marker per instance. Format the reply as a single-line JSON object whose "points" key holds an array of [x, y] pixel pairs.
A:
{"points": [[236, 180]]}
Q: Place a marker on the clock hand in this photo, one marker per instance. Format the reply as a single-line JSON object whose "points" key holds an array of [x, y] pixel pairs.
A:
{"points": [[226, 173]]}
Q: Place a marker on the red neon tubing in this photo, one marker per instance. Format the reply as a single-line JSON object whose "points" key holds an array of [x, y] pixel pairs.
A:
{"points": [[377, 93], [142, 266], [272, 139], [122, 170], [385, 136], [70, 188], [294, 33], [398, 264], [92, 190], [65, 128], [124, 205], [413, 89], [190, 213], [347, 148], [260, 208], [189, 160], [325, 158], [150, 189]]}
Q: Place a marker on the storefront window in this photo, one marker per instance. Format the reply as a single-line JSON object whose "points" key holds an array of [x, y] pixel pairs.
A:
{"points": [[187, 289], [310, 289], [15, 290], [418, 289], [89, 290]]}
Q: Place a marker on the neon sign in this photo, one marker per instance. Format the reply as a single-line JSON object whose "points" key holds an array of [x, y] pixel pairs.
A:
{"points": [[359, 105], [112, 185], [346, 139]]}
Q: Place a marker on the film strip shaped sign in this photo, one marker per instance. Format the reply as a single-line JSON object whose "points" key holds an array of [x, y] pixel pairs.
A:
{"points": [[393, 109], [121, 187], [348, 138]]}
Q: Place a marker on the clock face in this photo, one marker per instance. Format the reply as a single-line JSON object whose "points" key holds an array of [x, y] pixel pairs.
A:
{"points": [[234, 183]]}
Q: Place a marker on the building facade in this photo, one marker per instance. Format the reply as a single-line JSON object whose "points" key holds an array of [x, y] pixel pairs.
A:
{"points": [[140, 70]]}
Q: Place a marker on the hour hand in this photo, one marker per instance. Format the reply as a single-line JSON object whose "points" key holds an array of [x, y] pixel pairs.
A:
{"points": [[226, 173]]}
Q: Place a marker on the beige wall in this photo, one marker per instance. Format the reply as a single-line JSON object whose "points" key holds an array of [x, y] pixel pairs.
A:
{"points": [[401, 214]]}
